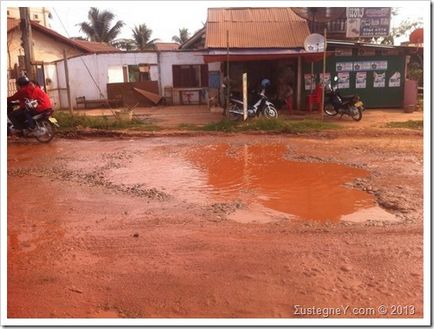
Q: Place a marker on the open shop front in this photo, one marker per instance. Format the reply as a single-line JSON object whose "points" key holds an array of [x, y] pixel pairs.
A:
{"points": [[285, 71]]}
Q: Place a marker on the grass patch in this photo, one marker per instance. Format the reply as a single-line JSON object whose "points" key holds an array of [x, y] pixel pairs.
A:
{"points": [[74, 122], [276, 125], [188, 126], [410, 124]]}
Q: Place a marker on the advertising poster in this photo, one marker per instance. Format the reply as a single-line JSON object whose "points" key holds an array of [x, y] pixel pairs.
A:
{"points": [[361, 80], [379, 80], [344, 66], [343, 80], [395, 80], [327, 78], [309, 82]]}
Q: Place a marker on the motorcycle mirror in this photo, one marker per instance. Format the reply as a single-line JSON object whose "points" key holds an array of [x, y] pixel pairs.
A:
{"points": [[335, 78]]}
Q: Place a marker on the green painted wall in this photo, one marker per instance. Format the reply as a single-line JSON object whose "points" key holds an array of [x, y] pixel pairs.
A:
{"points": [[387, 97]]}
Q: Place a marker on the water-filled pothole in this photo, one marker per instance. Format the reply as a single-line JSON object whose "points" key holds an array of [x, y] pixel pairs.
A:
{"points": [[269, 186], [260, 175]]}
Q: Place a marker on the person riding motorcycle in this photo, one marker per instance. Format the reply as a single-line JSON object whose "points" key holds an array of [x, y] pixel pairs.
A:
{"points": [[28, 90]]}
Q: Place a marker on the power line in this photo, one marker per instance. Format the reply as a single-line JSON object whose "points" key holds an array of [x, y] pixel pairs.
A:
{"points": [[101, 95]]}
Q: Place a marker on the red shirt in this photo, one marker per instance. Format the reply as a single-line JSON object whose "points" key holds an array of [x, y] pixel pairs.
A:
{"points": [[32, 92]]}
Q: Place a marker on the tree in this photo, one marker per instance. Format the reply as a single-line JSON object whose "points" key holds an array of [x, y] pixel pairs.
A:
{"points": [[98, 27], [184, 35], [402, 29], [142, 36]]}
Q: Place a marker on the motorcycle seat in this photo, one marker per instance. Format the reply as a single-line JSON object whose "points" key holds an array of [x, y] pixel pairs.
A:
{"points": [[236, 101], [43, 114]]}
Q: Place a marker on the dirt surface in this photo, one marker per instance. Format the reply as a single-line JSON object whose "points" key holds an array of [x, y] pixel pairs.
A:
{"points": [[163, 227]]}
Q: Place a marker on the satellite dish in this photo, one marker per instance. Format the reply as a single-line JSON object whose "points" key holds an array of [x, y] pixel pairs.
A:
{"points": [[314, 43]]}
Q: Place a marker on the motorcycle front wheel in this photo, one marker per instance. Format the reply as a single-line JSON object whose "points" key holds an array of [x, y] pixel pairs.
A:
{"points": [[356, 113], [329, 109], [270, 112], [46, 130]]}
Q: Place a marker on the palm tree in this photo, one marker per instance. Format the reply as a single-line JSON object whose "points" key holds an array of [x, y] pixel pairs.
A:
{"points": [[98, 28], [142, 36], [184, 35]]}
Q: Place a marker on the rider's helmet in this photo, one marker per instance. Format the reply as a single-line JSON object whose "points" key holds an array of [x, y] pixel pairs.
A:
{"points": [[265, 83], [23, 81]]}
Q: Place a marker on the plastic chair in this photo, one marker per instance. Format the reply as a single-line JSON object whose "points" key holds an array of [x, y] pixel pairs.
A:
{"points": [[315, 98]]}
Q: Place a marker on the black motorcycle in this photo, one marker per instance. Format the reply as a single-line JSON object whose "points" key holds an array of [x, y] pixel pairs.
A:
{"points": [[44, 124], [259, 106], [335, 103]]}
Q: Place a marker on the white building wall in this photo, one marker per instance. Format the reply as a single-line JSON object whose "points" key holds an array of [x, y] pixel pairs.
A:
{"points": [[167, 59], [82, 83]]}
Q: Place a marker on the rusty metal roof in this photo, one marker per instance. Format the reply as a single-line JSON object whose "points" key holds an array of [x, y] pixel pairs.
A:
{"points": [[166, 45], [97, 47], [255, 28]]}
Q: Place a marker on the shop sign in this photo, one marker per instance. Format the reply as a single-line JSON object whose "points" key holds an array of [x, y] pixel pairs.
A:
{"points": [[368, 22], [370, 65]]}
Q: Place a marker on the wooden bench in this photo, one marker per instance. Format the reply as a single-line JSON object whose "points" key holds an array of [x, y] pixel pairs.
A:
{"points": [[93, 103]]}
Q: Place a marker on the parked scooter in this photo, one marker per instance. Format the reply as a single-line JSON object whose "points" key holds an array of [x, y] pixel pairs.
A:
{"points": [[335, 103], [44, 124], [261, 107]]}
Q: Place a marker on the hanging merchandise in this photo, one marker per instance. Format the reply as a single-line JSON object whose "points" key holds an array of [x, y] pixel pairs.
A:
{"points": [[343, 80], [379, 80], [361, 80], [309, 82], [395, 80], [327, 78]]}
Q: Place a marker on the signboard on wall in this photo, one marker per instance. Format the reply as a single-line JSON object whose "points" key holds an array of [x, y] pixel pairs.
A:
{"points": [[395, 80], [343, 80], [361, 80], [370, 65], [344, 66], [368, 22], [379, 80]]}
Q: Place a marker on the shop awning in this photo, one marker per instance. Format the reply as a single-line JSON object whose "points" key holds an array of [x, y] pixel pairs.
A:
{"points": [[306, 57]]}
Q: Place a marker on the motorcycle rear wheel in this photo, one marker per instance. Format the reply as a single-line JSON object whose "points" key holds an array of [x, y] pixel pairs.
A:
{"points": [[234, 116], [329, 109], [48, 129], [270, 112]]}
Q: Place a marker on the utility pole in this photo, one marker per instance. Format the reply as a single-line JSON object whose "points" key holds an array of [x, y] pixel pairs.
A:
{"points": [[68, 89], [27, 41], [228, 82]]}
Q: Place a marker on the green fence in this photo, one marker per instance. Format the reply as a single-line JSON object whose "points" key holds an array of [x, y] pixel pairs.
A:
{"points": [[391, 95]]}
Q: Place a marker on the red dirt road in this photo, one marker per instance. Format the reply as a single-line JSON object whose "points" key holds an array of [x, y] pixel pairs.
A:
{"points": [[122, 228]]}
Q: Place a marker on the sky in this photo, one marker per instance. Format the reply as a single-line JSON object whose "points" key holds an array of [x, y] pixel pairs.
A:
{"points": [[165, 18]]}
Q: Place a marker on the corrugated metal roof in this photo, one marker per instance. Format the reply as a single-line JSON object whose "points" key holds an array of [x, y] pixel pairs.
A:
{"points": [[255, 28], [166, 45], [97, 47]]}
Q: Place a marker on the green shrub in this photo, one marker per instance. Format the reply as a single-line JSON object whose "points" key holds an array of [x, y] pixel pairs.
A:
{"points": [[410, 124]]}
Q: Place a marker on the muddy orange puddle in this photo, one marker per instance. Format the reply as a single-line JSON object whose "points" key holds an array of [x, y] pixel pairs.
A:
{"points": [[264, 176]]}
